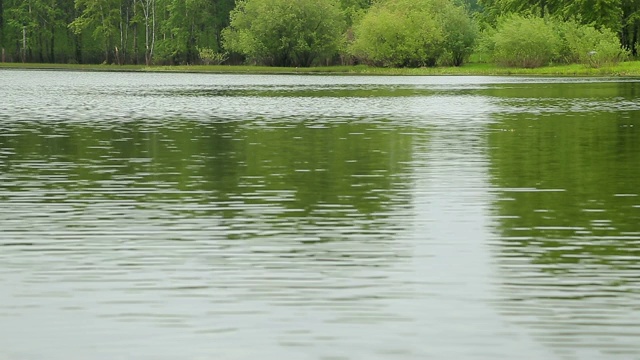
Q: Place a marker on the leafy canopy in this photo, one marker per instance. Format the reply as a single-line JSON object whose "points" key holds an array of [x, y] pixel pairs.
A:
{"points": [[285, 32], [525, 41], [414, 33]]}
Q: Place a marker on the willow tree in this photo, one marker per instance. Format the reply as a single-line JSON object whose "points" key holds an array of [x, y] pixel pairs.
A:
{"points": [[285, 32]]}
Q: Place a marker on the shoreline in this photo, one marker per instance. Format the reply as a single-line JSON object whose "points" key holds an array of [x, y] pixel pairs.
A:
{"points": [[624, 69]]}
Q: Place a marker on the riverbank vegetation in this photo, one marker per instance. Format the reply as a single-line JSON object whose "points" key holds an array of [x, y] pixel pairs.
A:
{"points": [[418, 36], [627, 68]]}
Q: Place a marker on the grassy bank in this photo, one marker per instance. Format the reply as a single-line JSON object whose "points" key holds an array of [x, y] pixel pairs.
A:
{"points": [[631, 68]]}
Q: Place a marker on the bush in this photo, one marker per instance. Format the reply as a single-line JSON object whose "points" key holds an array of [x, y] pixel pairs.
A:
{"points": [[461, 34], [385, 37], [525, 41], [209, 57], [587, 45], [285, 32], [413, 33]]}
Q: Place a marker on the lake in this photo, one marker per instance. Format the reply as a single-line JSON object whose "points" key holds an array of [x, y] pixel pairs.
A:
{"points": [[202, 216]]}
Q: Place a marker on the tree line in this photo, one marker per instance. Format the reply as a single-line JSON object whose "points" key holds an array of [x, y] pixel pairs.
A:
{"points": [[111, 31], [315, 32]]}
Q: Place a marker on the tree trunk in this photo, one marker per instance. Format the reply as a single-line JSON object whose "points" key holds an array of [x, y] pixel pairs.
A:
{"points": [[78, 48], [634, 48], [24, 44], [52, 43], [149, 9], [135, 44], [2, 27]]}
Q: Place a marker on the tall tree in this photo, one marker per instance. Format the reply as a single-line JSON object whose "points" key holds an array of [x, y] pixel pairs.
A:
{"points": [[284, 32], [103, 16], [621, 16], [149, 15], [1, 27], [630, 25]]}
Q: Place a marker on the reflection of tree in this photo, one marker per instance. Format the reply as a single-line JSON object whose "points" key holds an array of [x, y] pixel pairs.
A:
{"points": [[265, 179], [563, 91], [590, 165], [569, 224]]}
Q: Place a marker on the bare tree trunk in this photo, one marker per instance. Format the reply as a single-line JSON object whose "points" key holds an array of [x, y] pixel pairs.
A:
{"points": [[52, 43], [125, 46], [149, 10], [121, 42], [153, 29], [24, 44], [2, 28]]}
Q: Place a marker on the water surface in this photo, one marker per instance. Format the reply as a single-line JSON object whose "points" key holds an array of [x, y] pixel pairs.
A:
{"points": [[163, 216]]}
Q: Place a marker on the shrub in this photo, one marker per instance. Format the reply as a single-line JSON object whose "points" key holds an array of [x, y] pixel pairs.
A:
{"points": [[209, 57], [387, 37], [413, 33], [461, 34], [525, 41], [587, 45], [285, 32]]}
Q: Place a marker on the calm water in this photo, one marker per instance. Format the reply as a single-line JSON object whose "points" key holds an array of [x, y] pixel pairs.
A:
{"points": [[183, 216]]}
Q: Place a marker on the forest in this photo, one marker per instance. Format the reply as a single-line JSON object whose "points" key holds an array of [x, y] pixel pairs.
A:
{"points": [[301, 33]]}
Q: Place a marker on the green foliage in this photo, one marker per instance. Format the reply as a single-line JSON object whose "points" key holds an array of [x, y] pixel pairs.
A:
{"points": [[388, 37], [600, 13], [284, 32], [588, 156], [525, 41], [391, 33], [621, 16], [102, 16], [585, 44], [354, 9], [461, 34], [209, 56], [413, 33], [39, 19]]}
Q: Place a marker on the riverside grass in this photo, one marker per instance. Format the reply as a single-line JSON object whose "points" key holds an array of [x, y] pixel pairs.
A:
{"points": [[626, 69]]}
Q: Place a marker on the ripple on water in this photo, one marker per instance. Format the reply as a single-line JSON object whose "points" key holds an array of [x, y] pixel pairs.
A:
{"points": [[183, 215]]}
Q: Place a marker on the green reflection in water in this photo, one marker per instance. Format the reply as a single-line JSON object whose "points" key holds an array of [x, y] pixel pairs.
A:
{"points": [[568, 216], [569, 90], [251, 174], [336, 91], [571, 186]]}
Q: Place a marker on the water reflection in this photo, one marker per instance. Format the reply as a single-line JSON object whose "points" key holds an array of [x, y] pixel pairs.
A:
{"points": [[192, 216], [569, 209], [268, 181], [274, 216]]}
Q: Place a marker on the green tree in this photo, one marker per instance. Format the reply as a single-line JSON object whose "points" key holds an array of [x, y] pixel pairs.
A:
{"points": [[630, 25], [186, 26], [353, 9], [149, 16], [413, 33], [284, 32], [103, 16], [461, 34], [587, 45], [1, 26], [621, 16], [525, 41], [35, 23]]}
